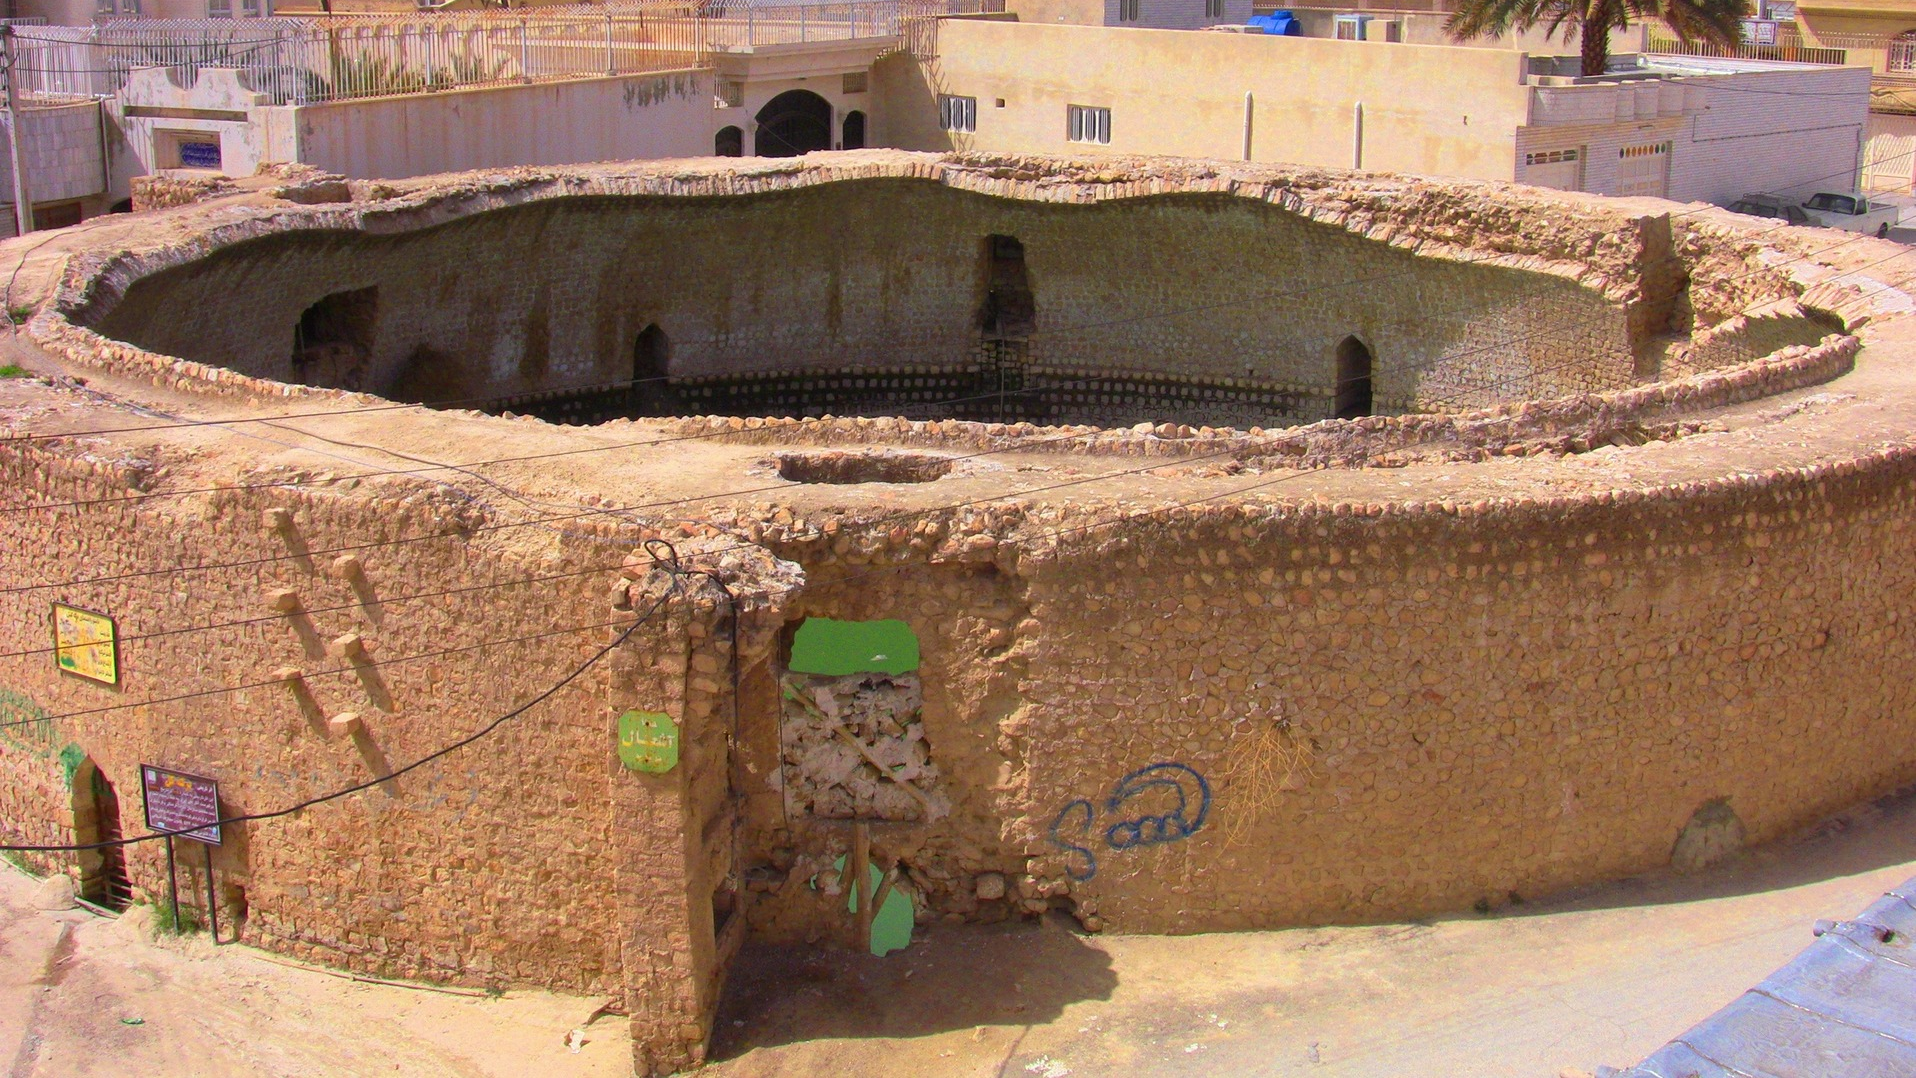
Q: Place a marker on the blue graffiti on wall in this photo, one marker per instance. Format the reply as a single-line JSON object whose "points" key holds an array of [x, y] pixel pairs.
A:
{"points": [[1077, 819]]}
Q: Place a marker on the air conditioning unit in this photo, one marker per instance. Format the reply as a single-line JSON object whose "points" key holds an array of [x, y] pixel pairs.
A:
{"points": [[1351, 27]]}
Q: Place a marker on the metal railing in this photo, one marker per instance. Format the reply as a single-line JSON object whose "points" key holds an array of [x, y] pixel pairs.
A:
{"points": [[311, 60], [1789, 46]]}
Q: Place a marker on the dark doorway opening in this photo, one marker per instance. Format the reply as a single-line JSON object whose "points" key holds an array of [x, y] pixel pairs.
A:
{"points": [[96, 818], [854, 131], [333, 343], [651, 354], [1353, 379], [795, 122], [651, 365], [1009, 309], [729, 142]]}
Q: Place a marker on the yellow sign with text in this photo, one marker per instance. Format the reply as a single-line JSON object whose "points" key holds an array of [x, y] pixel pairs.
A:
{"points": [[85, 644]]}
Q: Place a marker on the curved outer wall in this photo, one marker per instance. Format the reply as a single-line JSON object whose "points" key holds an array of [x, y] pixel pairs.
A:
{"points": [[1516, 697], [1457, 701]]}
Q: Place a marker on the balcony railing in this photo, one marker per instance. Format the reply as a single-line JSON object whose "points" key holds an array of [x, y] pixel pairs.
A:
{"points": [[1789, 46], [311, 60]]}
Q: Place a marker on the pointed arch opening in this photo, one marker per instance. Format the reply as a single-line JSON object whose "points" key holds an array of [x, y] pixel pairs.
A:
{"points": [[96, 818]]}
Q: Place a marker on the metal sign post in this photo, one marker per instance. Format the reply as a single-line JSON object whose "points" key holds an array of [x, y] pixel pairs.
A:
{"points": [[190, 805], [172, 883], [212, 898]]}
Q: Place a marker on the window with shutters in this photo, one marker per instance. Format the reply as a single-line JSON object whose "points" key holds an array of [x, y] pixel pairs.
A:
{"points": [[958, 113], [1085, 123]]}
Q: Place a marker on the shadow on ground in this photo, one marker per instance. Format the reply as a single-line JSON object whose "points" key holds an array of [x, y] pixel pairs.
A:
{"points": [[1867, 837], [954, 977]]}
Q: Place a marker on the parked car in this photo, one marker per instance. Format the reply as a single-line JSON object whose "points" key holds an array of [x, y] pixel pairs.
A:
{"points": [[1772, 206], [1852, 213]]}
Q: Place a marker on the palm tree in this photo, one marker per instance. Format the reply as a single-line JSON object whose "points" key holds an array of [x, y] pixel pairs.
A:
{"points": [[1715, 21]]}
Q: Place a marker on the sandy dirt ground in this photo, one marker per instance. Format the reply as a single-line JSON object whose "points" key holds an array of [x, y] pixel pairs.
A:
{"points": [[1601, 977]]}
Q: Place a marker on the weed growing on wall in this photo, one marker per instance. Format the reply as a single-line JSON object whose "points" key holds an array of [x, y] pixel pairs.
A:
{"points": [[1268, 756]]}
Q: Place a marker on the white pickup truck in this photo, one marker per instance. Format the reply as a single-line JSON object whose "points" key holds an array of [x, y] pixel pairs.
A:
{"points": [[1852, 213], [1848, 212]]}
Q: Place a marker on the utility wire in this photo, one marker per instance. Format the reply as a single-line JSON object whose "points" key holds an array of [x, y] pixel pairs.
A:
{"points": [[618, 510], [422, 761], [353, 669], [1258, 298], [897, 518]]}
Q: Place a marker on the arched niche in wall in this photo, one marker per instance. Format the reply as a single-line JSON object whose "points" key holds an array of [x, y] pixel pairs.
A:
{"points": [[1353, 379], [793, 123]]}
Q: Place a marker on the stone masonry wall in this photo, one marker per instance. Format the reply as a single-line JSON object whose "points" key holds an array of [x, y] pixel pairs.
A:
{"points": [[1242, 716], [888, 276], [489, 866]]}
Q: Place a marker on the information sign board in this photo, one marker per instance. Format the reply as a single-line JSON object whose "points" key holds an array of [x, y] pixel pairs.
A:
{"points": [[648, 741], [85, 644], [176, 802]]}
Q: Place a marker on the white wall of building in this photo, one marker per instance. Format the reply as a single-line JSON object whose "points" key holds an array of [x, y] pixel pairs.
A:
{"points": [[1791, 131], [554, 123], [66, 160], [1178, 14], [757, 94], [65, 156]]}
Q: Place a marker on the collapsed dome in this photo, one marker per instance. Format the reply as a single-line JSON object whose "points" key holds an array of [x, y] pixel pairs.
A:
{"points": [[899, 297]]}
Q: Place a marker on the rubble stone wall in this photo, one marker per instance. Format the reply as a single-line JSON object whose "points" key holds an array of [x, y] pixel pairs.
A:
{"points": [[487, 866], [1240, 717]]}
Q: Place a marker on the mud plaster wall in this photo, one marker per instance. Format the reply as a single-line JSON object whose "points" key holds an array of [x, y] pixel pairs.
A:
{"points": [[1480, 701], [888, 275], [488, 866], [1514, 702]]}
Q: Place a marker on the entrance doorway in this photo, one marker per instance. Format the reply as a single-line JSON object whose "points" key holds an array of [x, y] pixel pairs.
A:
{"points": [[795, 122], [1009, 310], [96, 818], [650, 393], [854, 131], [1353, 379]]}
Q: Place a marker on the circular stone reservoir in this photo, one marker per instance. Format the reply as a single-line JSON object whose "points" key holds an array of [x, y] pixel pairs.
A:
{"points": [[898, 296], [1629, 515]]}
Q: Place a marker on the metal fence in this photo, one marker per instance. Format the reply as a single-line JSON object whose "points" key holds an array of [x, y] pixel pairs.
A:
{"points": [[303, 61], [1788, 46]]}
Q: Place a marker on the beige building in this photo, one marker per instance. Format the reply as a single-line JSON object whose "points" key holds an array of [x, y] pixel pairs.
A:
{"points": [[1682, 127], [389, 98]]}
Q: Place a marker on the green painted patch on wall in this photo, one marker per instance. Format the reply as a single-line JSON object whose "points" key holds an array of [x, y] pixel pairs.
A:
{"points": [[25, 724], [837, 648], [71, 758]]}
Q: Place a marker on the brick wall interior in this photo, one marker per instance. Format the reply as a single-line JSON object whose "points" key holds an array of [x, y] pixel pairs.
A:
{"points": [[868, 297]]}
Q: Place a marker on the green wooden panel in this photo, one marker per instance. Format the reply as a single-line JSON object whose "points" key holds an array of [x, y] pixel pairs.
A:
{"points": [[892, 923], [836, 648]]}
